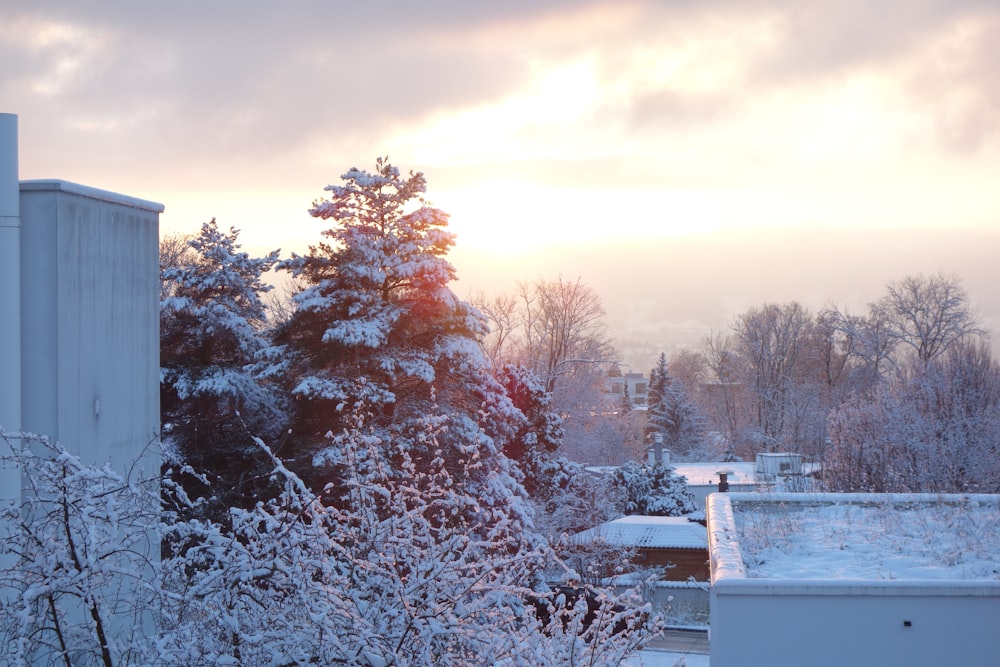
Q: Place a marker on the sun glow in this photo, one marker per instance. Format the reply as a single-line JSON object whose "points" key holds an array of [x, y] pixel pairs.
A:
{"points": [[508, 216]]}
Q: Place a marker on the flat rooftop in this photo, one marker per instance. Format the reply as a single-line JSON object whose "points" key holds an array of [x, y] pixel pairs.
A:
{"points": [[874, 537]]}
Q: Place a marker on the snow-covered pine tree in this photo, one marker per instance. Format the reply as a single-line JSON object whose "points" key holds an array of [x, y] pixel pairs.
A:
{"points": [[654, 490], [421, 543], [539, 435], [378, 328], [212, 323], [672, 413]]}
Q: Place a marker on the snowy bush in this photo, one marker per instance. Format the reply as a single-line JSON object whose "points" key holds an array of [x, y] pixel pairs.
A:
{"points": [[401, 571], [572, 498], [78, 561], [654, 490], [931, 427]]}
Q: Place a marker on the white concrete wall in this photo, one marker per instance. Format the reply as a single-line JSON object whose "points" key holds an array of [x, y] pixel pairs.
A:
{"points": [[838, 623], [10, 300], [90, 346], [791, 624], [90, 320]]}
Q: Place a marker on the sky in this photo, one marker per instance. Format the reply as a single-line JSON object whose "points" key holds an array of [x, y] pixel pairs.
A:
{"points": [[687, 160]]}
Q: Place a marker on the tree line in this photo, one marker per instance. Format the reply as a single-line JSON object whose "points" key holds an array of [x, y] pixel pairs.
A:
{"points": [[900, 398]]}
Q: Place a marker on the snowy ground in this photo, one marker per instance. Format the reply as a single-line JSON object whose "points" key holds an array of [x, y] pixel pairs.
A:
{"points": [[871, 541]]}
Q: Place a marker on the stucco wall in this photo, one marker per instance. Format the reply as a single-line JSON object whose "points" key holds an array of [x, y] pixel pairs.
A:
{"points": [[792, 625], [835, 623], [90, 321]]}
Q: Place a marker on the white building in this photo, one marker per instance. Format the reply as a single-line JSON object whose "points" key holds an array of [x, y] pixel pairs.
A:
{"points": [[79, 321], [854, 579], [635, 384], [80, 315]]}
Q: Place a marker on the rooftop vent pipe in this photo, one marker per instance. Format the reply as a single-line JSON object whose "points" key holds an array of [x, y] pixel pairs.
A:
{"points": [[10, 297]]}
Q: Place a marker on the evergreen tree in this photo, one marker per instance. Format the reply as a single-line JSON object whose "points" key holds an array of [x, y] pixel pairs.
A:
{"points": [[212, 324], [654, 490], [626, 404], [539, 434], [378, 330], [672, 413]]}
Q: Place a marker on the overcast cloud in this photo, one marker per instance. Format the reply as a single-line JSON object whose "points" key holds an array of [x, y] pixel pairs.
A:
{"points": [[539, 122]]}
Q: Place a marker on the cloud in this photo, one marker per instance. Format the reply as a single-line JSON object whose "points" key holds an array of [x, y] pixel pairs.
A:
{"points": [[631, 94]]}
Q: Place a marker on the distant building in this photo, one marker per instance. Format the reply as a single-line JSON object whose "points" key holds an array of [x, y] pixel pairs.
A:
{"points": [[635, 384], [675, 543], [772, 467]]}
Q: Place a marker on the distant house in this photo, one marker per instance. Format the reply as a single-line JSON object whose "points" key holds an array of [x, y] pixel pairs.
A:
{"points": [[854, 579], [675, 543], [636, 384], [775, 466]]}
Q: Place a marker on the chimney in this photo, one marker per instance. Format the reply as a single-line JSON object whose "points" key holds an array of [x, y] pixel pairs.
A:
{"points": [[724, 480]]}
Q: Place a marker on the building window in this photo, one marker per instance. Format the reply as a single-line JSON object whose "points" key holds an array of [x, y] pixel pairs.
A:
{"points": [[640, 387]]}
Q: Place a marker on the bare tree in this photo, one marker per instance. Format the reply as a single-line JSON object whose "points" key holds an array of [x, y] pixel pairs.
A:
{"points": [[564, 329], [723, 386], [930, 313], [690, 367], [770, 338], [505, 320], [868, 339], [280, 302], [175, 251], [556, 329]]}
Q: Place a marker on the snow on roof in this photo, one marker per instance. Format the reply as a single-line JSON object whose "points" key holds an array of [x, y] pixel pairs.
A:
{"points": [[657, 532], [878, 537], [55, 184], [708, 473]]}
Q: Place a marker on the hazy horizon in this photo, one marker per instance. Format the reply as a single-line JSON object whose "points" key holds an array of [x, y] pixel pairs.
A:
{"points": [[667, 294], [686, 160]]}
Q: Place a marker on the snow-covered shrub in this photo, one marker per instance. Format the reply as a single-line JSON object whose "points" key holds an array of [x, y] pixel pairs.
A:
{"points": [[399, 571], [571, 498], [654, 490], [78, 561], [931, 427]]}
